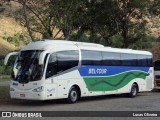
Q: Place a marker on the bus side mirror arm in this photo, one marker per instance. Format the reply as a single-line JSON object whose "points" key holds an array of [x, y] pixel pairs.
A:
{"points": [[42, 56], [8, 56]]}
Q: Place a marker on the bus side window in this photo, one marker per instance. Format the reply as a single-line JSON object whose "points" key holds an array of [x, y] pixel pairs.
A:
{"points": [[128, 59], [149, 61], [67, 60], [111, 58], [91, 57], [142, 60]]}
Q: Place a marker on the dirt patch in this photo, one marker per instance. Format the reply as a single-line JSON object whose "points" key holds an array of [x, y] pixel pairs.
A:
{"points": [[4, 98], [4, 94]]}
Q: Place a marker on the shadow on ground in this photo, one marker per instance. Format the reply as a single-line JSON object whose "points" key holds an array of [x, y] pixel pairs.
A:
{"points": [[64, 101]]}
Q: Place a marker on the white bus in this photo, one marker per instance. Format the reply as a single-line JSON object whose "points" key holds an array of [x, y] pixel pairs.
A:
{"points": [[157, 74], [55, 69]]}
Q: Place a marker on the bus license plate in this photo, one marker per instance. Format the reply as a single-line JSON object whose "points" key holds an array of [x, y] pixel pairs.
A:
{"points": [[22, 95]]}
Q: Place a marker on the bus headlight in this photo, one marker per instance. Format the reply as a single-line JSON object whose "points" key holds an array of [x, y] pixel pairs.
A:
{"points": [[39, 89]]}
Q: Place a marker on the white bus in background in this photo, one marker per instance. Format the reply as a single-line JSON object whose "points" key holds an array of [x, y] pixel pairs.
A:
{"points": [[56, 69], [157, 74]]}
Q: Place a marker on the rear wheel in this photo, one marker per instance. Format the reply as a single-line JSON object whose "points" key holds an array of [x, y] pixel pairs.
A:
{"points": [[134, 90], [73, 95]]}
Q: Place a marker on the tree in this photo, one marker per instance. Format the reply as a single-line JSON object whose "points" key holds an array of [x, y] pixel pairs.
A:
{"points": [[120, 17], [44, 16], [36, 16], [67, 15], [117, 23], [105, 19], [1, 7], [130, 16], [154, 8], [23, 2]]}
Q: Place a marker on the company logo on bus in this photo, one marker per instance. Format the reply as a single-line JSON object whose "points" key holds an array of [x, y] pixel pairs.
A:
{"points": [[108, 70], [97, 71]]}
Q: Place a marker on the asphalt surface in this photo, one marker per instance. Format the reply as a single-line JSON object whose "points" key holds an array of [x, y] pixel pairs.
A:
{"points": [[6, 83], [147, 101]]}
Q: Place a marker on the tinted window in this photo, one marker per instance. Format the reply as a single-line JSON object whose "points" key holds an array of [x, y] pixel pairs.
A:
{"points": [[67, 60], [149, 60], [61, 61], [52, 66], [110, 58], [91, 57], [26, 67], [128, 59], [142, 60]]}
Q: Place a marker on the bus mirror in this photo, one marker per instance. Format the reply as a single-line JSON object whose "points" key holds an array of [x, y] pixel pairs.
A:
{"points": [[42, 56], [8, 56]]}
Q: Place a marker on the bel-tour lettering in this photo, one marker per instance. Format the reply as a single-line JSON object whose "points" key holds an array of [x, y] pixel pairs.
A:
{"points": [[97, 71]]}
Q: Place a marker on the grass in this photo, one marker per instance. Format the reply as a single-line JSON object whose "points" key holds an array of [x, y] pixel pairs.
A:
{"points": [[6, 44], [9, 26], [4, 90], [5, 47], [4, 94], [4, 80]]}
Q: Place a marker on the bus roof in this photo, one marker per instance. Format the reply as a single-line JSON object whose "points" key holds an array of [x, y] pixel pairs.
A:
{"points": [[118, 50], [50, 44]]}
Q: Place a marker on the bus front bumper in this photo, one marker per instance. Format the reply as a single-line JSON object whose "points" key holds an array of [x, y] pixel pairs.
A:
{"points": [[27, 95]]}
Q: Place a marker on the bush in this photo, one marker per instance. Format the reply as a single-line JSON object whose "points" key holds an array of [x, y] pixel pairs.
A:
{"points": [[17, 39], [5, 70]]}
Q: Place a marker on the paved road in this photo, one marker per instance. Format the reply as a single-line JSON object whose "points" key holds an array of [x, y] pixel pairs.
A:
{"points": [[6, 83], [148, 101], [144, 101]]}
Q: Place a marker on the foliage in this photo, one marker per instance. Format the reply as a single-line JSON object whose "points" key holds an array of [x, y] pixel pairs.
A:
{"points": [[117, 23], [6, 70], [155, 8], [114, 17], [4, 90], [16, 39]]}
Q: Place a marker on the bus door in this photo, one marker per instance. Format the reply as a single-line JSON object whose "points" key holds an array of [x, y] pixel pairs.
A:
{"points": [[51, 77]]}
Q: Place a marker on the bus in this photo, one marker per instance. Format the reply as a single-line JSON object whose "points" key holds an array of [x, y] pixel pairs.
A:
{"points": [[56, 69], [157, 74]]}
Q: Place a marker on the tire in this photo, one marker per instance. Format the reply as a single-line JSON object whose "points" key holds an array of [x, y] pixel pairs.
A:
{"points": [[134, 91], [73, 95]]}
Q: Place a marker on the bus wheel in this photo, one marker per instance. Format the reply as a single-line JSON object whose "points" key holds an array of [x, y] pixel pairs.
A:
{"points": [[134, 90], [73, 95]]}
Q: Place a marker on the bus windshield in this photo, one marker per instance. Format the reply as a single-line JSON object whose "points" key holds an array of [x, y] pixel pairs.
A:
{"points": [[157, 65], [26, 67]]}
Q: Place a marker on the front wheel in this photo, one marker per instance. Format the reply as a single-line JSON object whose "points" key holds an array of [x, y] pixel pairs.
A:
{"points": [[134, 90], [73, 95]]}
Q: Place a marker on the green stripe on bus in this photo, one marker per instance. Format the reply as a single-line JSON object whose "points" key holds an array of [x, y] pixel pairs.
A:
{"points": [[112, 82]]}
